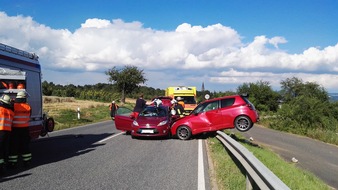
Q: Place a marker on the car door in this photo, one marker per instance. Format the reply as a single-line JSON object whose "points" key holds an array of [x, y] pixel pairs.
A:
{"points": [[123, 119], [214, 115], [207, 117], [228, 112]]}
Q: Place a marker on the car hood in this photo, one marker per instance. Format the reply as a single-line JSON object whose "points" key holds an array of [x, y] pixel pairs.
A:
{"points": [[184, 119], [150, 120]]}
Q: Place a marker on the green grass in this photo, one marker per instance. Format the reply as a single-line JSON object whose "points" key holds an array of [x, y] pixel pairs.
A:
{"points": [[68, 118], [230, 177]]}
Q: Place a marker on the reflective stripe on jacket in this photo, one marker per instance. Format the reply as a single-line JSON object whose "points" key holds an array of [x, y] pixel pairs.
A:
{"points": [[6, 119], [22, 113]]}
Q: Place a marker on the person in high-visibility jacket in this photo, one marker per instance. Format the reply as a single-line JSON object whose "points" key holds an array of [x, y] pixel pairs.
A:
{"points": [[20, 138], [6, 119], [113, 107], [180, 101], [178, 108]]}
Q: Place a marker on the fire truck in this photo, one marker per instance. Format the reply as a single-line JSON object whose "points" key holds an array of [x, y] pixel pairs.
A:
{"points": [[21, 71], [188, 94]]}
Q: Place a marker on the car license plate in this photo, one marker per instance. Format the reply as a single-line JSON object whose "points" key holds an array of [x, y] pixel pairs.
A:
{"points": [[147, 131]]}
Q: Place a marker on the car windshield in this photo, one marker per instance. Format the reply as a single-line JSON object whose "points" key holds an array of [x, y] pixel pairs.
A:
{"points": [[153, 111]]}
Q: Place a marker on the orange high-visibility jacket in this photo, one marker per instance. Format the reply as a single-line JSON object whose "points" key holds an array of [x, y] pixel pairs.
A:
{"points": [[182, 103], [22, 113], [111, 106], [6, 119]]}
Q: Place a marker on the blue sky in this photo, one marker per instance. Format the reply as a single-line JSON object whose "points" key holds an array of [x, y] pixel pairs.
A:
{"points": [[222, 43]]}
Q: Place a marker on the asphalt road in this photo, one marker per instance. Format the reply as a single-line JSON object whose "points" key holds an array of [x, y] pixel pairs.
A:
{"points": [[98, 156], [317, 157]]}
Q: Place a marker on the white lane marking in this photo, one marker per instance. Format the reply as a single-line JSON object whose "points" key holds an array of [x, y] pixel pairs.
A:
{"points": [[101, 141], [201, 180]]}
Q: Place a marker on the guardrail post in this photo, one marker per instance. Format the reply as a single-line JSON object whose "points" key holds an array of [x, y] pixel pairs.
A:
{"points": [[78, 113]]}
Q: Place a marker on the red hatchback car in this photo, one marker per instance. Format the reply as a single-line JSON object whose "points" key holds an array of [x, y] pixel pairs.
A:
{"points": [[217, 114], [153, 121]]}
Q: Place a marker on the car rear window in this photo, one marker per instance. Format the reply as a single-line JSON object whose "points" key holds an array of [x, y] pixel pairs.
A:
{"points": [[248, 102], [227, 102]]}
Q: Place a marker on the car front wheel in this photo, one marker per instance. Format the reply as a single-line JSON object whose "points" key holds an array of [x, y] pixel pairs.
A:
{"points": [[183, 132], [243, 123]]}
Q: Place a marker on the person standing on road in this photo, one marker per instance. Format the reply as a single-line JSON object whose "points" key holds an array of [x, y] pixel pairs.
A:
{"points": [[177, 107], [140, 104], [113, 107], [20, 138], [6, 119], [180, 101]]}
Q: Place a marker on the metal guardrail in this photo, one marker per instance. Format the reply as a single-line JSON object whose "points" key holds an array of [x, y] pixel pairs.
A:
{"points": [[257, 174]]}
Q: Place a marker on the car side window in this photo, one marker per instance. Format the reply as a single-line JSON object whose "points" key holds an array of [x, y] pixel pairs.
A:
{"points": [[227, 102], [211, 106], [123, 111]]}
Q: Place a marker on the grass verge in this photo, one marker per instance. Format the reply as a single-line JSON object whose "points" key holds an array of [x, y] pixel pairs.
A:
{"points": [[64, 111]]}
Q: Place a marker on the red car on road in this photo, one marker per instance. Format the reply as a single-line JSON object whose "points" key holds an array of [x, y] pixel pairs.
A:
{"points": [[153, 121], [217, 114]]}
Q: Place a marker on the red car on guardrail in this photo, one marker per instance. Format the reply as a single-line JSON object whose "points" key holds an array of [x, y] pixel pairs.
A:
{"points": [[217, 114]]}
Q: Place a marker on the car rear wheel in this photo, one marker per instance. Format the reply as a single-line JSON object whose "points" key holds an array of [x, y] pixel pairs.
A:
{"points": [[183, 132], [243, 123]]}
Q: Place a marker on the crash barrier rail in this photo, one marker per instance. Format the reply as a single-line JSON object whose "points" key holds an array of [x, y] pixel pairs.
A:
{"points": [[257, 174]]}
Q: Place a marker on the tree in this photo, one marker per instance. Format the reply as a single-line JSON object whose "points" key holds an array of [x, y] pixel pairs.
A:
{"points": [[47, 88], [261, 95], [295, 87], [306, 107], [126, 79]]}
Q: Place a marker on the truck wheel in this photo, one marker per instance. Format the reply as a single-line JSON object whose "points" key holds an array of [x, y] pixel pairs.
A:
{"points": [[50, 124]]}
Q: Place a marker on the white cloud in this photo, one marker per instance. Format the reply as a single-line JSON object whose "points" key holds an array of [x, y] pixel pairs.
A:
{"points": [[190, 55]]}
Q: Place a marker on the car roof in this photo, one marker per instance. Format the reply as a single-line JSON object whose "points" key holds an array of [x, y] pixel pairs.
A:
{"points": [[162, 97], [223, 97]]}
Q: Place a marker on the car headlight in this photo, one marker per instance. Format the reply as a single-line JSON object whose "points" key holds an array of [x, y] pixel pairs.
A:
{"points": [[135, 123], [163, 123]]}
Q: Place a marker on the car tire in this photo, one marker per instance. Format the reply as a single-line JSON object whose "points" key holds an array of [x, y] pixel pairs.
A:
{"points": [[50, 124], [243, 123], [183, 132]]}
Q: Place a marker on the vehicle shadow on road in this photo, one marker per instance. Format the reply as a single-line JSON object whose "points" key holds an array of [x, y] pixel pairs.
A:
{"points": [[55, 149]]}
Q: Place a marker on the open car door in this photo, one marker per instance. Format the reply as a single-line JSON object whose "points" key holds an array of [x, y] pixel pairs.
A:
{"points": [[123, 119]]}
